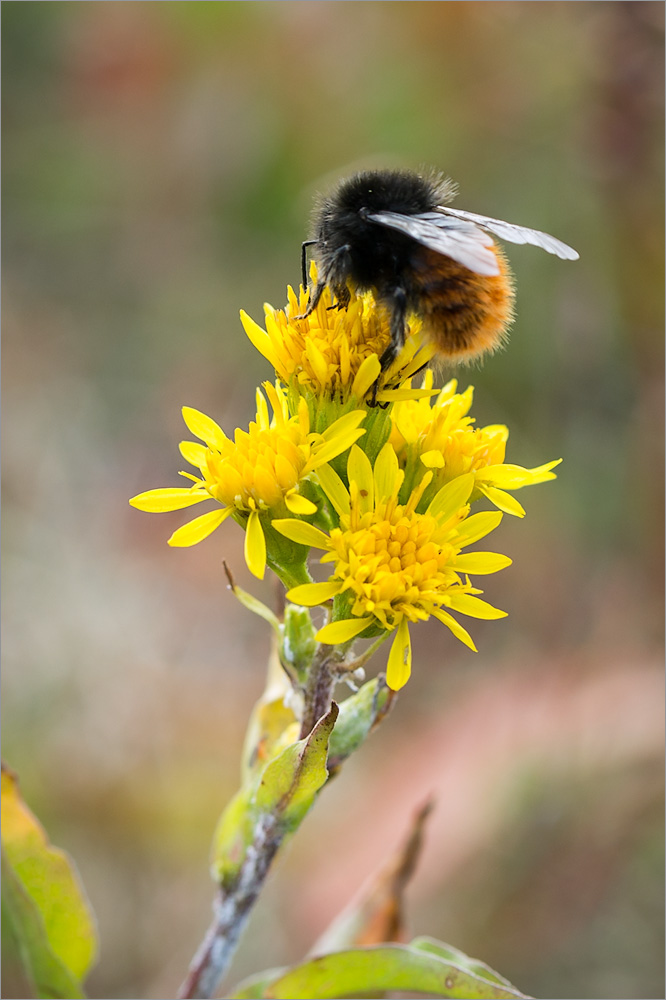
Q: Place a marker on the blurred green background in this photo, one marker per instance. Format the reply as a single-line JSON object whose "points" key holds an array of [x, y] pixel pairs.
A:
{"points": [[160, 161]]}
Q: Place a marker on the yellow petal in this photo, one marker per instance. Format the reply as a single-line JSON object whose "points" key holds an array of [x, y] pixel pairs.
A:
{"points": [[367, 374], [255, 546], [433, 459], [198, 529], [299, 505], [161, 500], [456, 627], [473, 606], [337, 438], [399, 395], [451, 497], [301, 532], [193, 453], [204, 427], [399, 665], [343, 631], [477, 526], [311, 594], [513, 477], [260, 339], [334, 488], [480, 562], [341, 426], [501, 499], [359, 471], [387, 475]]}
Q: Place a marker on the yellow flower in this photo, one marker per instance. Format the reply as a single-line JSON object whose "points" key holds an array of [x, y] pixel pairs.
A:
{"points": [[334, 353], [439, 434], [256, 476], [394, 564]]}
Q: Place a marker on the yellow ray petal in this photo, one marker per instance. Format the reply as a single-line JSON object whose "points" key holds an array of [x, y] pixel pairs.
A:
{"points": [[301, 532], [480, 562], [456, 627], [161, 500], [473, 606], [399, 665], [501, 499], [342, 631], [311, 594], [451, 497], [299, 505], [334, 488], [255, 546], [204, 427], [477, 526], [201, 527]]}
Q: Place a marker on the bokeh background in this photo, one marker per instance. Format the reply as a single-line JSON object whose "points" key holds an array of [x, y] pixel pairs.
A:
{"points": [[160, 161]]}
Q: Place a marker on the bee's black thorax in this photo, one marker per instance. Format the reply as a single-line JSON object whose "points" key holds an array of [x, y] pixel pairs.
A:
{"points": [[348, 246]]}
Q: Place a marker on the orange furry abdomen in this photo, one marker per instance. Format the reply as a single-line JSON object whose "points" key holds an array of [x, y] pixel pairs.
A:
{"points": [[464, 313]]}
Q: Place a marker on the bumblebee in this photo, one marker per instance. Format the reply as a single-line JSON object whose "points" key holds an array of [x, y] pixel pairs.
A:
{"points": [[394, 233]]}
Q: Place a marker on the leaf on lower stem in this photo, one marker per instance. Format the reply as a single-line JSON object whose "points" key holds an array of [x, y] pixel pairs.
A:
{"points": [[373, 970], [274, 804]]}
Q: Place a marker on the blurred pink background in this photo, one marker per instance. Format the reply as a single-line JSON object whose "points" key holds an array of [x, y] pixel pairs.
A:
{"points": [[160, 161]]}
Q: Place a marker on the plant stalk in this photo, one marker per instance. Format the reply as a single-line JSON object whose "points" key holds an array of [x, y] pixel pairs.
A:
{"points": [[232, 908]]}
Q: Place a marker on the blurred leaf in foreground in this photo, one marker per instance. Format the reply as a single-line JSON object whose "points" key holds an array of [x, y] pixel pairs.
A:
{"points": [[43, 902], [424, 967]]}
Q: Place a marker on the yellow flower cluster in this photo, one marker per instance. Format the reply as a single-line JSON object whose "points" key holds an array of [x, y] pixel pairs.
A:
{"points": [[389, 503]]}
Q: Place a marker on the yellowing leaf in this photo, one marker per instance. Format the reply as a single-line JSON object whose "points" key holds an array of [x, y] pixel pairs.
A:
{"points": [[45, 902]]}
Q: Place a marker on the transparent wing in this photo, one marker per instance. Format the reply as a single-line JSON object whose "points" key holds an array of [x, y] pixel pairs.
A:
{"points": [[513, 234], [459, 239]]}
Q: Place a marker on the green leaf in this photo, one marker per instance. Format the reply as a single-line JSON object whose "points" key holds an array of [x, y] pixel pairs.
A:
{"points": [[289, 783], [44, 902], [451, 954], [273, 804], [362, 971], [358, 715]]}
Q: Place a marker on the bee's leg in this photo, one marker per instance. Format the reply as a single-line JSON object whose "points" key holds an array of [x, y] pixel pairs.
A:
{"points": [[315, 296], [398, 308], [342, 296], [397, 304]]}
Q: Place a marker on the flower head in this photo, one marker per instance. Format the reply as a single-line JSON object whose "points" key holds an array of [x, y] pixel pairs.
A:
{"points": [[439, 434], [258, 475], [396, 563], [334, 353]]}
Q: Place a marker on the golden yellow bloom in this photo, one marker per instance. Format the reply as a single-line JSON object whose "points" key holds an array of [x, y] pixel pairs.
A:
{"points": [[439, 434], [334, 353], [261, 472], [394, 564]]}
